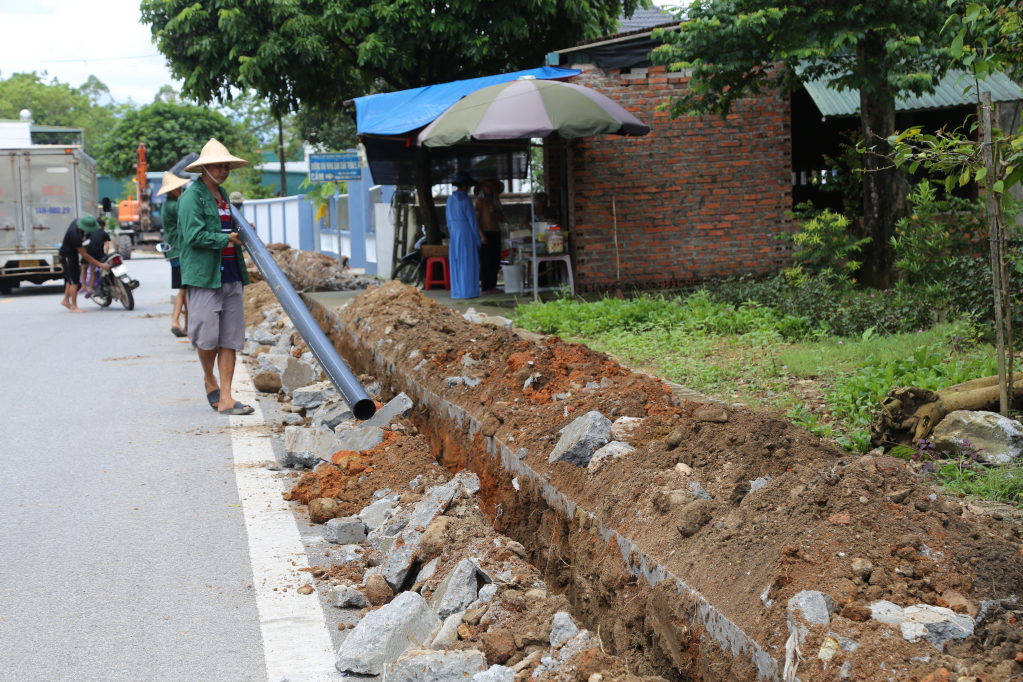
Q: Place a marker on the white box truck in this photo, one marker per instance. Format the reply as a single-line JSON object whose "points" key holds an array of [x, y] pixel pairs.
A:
{"points": [[42, 189]]}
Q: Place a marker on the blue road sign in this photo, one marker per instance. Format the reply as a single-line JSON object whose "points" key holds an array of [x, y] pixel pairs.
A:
{"points": [[340, 167]]}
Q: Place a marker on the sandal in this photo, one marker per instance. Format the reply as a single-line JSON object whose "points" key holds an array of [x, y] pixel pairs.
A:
{"points": [[213, 397], [238, 410], [178, 332]]}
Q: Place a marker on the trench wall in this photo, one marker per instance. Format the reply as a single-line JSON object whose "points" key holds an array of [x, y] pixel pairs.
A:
{"points": [[640, 610]]}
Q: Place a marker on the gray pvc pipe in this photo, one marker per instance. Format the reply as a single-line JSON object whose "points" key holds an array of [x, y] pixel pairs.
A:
{"points": [[338, 372]]}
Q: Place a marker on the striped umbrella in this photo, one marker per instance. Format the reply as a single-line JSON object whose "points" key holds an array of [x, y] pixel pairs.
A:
{"points": [[528, 108]]}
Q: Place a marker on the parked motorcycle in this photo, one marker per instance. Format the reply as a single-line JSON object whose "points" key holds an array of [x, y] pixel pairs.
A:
{"points": [[411, 269], [115, 283]]}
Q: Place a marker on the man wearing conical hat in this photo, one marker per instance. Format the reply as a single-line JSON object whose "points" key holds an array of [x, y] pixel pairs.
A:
{"points": [[213, 274], [173, 186]]}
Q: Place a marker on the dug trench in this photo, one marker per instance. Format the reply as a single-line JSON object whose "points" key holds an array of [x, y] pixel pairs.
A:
{"points": [[718, 543]]}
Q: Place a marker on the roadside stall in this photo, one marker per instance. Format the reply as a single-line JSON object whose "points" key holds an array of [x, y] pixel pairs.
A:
{"points": [[486, 126], [523, 110]]}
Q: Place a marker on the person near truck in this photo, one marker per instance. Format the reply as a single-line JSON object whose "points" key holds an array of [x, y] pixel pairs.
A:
{"points": [[97, 245], [213, 274], [173, 186], [71, 249], [489, 216]]}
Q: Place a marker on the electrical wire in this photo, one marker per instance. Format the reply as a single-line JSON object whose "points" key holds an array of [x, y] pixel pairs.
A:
{"points": [[69, 61]]}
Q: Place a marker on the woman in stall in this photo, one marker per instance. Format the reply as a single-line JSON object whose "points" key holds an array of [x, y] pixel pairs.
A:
{"points": [[464, 241]]}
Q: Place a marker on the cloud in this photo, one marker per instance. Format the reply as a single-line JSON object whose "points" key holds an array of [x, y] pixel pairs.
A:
{"points": [[39, 36]]}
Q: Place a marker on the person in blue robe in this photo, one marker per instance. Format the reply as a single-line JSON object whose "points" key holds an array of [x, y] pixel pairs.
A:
{"points": [[464, 240]]}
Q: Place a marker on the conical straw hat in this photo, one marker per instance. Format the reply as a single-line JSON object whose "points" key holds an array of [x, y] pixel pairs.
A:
{"points": [[214, 152], [170, 182]]}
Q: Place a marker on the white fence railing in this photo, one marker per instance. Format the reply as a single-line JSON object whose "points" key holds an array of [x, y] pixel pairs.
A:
{"points": [[346, 228]]}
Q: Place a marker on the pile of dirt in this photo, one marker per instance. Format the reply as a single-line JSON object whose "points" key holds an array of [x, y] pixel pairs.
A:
{"points": [[258, 297], [352, 478], [742, 506], [313, 271]]}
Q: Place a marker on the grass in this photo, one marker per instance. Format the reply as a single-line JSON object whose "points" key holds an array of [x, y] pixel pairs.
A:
{"points": [[752, 355], [1003, 484]]}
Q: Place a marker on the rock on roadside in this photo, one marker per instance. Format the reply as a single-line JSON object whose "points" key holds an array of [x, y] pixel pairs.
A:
{"points": [[307, 446], [313, 395], [580, 439], [332, 414], [435, 666], [349, 530], [999, 438], [458, 589], [296, 374], [267, 382], [398, 407], [563, 629], [385, 634], [359, 439]]}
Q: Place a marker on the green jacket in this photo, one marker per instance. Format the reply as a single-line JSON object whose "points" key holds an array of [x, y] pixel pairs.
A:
{"points": [[171, 234], [201, 239]]}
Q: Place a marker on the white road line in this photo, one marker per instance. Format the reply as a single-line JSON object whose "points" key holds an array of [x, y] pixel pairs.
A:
{"points": [[296, 642]]}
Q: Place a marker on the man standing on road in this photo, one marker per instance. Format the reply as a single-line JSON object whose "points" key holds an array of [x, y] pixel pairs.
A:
{"points": [[70, 250], [213, 274], [172, 186]]}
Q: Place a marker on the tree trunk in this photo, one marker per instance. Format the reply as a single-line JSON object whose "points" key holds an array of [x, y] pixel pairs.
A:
{"points": [[282, 156], [884, 187], [424, 193]]}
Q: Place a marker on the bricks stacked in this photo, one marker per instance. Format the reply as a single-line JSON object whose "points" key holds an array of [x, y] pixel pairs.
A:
{"points": [[697, 197]]}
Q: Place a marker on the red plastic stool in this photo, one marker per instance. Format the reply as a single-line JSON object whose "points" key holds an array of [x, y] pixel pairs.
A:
{"points": [[430, 281]]}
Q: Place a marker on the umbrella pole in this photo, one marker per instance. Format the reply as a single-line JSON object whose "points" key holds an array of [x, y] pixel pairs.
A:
{"points": [[532, 231]]}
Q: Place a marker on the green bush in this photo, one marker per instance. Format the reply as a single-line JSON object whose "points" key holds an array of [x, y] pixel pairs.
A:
{"points": [[833, 305], [925, 240], [826, 243], [698, 313], [933, 368]]}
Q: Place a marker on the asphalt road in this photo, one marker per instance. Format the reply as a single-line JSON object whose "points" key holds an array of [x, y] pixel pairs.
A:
{"points": [[123, 551]]}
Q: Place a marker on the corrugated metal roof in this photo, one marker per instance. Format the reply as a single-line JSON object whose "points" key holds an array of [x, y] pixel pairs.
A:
{"points": [[644, 18], [831, 102]]}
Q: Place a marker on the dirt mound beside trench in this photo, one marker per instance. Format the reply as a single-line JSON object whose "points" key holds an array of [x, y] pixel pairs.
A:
{"points": [[312, 271], [746, 509]]}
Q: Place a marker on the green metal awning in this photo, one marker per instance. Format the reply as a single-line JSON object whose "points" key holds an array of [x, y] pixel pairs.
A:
{"points": [[831, 102]]}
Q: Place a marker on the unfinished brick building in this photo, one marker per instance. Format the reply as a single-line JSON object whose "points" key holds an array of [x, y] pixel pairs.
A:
{"points": [[697, 197]]}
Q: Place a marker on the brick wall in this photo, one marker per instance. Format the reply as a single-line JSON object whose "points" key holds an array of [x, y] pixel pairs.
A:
{"points": [[697, 197]]}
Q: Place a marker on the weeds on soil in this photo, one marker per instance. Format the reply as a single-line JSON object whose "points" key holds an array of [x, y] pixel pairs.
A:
{"points": [[751, 353]]}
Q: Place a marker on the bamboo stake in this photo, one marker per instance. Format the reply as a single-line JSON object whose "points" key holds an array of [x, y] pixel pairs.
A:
{"points": [[618, 261], [996, 257]]}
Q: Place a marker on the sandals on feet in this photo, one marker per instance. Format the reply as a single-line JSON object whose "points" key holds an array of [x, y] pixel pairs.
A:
{"points": [[213, 397], [178, 332], [238, 410]]}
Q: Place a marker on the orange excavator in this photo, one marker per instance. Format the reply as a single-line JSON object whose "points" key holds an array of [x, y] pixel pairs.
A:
{"points": [[135, 214]]}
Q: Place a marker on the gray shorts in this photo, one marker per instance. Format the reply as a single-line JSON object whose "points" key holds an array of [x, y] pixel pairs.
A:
{"points": [[216, 317]]}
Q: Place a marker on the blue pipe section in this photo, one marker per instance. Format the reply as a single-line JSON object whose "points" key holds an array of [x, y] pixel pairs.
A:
{"points": [[338, 372]]}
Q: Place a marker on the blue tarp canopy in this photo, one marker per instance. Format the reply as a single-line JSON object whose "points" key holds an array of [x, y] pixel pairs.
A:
{"points": [[396, 113]]}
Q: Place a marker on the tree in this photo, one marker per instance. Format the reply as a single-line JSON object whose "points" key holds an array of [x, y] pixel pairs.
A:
{"points": [[273, 132], [746, 48], [327, 132], [319, 53], [170, 131], [988, 37], [55, 103]]}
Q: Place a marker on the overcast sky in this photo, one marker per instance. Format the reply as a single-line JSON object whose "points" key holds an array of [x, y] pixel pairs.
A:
{"points": [[39, 34]]}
